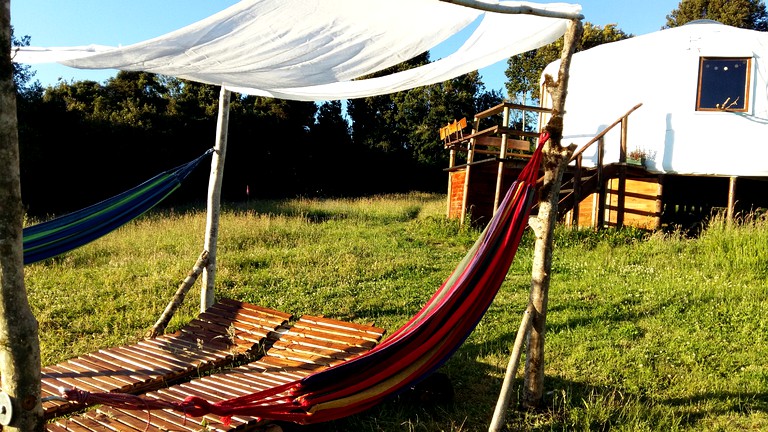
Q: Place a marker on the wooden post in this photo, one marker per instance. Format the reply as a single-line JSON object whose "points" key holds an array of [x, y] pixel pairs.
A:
{"points": [[731, 213], [470, 158], [214, 201], [622, 187], [451, 164], [576, 192], [502, 156], [555, 159], [659, 202], [178, 298], [601, 186], [505, 396]]}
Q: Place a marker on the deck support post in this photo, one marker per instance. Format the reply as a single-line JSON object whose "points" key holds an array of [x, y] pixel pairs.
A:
{"points": [[502, 156], [576, 192], [214, 201], [731, 214], [599, 220], [451, 164], [470, 159]]}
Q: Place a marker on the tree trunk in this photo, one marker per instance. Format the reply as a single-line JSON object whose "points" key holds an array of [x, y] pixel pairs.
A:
{"points": [[555, 158], [19, 343]]}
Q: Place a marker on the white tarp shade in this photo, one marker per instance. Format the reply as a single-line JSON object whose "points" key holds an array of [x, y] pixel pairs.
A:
{"points": [[313, 49]]}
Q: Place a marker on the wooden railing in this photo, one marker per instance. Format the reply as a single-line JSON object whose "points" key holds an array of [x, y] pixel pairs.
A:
{"points": [[577, 158], [492, 140]]}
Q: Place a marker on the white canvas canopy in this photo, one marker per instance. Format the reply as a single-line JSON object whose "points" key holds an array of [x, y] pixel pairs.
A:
{"points": [[661, 71], [313, 49]]}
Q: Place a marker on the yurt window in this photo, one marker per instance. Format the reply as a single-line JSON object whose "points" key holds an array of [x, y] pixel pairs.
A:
{"points": [[723, 84]]}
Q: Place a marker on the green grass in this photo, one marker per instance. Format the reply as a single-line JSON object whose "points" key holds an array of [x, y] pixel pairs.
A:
{"points": [[645, 332]]}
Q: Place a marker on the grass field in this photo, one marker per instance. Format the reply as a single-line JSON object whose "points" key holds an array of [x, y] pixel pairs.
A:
{"points": [[645, 332]]}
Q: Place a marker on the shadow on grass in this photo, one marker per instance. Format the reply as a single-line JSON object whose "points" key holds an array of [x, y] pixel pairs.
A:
{"points": [[567, 405]]}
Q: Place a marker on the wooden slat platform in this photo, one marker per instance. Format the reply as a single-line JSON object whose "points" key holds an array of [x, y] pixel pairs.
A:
{"points": [[311, 344], [227, 332]]}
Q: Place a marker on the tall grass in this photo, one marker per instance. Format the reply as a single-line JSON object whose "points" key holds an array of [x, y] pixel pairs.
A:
{"points": [[645, 332]]}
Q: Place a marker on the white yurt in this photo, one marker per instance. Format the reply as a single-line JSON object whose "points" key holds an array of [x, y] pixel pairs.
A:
{"points": [[702, 87]]}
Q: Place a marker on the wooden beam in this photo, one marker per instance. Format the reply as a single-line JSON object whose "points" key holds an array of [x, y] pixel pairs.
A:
{"points": [[500, 107], [523, 9]]}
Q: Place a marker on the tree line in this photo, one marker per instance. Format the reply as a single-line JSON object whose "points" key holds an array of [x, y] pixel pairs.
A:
{"points": [[84, 141]]}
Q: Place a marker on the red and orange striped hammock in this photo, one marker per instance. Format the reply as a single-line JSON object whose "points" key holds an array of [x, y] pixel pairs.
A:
{"points": [[410, 354]]}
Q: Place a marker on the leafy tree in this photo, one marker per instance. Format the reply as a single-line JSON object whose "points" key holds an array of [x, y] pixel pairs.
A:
{"points": [[331, 157], [190, 100], [749, 14], [23, 74], [400, 130], [524, 70], [268, 151]]}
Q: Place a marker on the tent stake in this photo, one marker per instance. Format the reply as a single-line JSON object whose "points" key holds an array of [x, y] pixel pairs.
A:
{"points": [[214, 201]]}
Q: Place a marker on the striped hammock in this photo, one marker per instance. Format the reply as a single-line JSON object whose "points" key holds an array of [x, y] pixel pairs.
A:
{"points": [[409, 355], [62, 234]]}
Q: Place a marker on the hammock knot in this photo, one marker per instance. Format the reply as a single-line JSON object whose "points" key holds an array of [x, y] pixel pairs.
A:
{"points": [[76, 395], [195, 406]]}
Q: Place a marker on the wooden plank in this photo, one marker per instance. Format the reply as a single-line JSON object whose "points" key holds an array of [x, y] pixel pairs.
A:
{"points": [[365, 331], [161, 421], [202, 344], [310, 345], [512, 144]]}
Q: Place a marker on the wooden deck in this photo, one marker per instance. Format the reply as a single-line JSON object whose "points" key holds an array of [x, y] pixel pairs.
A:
{"points": [[292, 352], [229, 331]]}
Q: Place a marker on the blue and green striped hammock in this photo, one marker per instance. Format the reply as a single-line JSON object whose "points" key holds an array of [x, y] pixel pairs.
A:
{"points": [[64, 233]]}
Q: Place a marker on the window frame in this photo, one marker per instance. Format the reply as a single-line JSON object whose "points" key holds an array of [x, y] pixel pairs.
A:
{"points": [[747, 91]]}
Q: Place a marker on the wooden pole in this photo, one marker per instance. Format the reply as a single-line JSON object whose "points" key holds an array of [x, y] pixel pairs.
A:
{"points": [[178, 298], [451, 164], [505, 397], [470, 159], [522, 9], [555, 159], [601, 185], [502, 156], [659, 208], [214, 200], [731, 213], [576, 192], [622, 186]]}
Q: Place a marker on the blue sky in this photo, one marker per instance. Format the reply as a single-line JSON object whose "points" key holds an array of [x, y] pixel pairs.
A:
{"points": [[114, 22]]}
